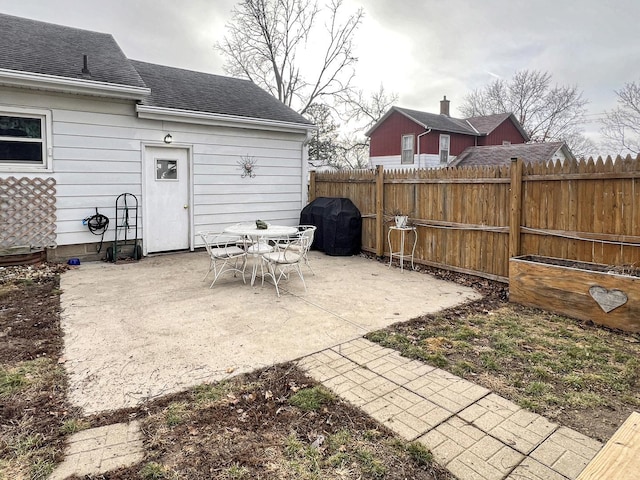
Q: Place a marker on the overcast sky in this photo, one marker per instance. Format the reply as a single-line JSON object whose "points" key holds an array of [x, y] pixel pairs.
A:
{"points": [[420, 49]]}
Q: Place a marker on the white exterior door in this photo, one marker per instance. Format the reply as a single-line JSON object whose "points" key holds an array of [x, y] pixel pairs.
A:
{"points": [[166, 199]]}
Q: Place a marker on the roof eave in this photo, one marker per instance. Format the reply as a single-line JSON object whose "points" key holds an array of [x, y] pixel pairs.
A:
{"points": [[217, 119], [566, 151], [40, 81], [386, 115]]}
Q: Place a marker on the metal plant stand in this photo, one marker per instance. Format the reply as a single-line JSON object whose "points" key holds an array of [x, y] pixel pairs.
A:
{"points": [[401, 255]]}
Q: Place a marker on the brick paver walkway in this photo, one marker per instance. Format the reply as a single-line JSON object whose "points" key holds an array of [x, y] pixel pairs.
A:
{"points": [[98, 450], [476, 434]]}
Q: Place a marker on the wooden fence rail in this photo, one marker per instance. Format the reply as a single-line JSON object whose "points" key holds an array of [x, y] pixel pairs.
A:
{"points": [[473, 219]]}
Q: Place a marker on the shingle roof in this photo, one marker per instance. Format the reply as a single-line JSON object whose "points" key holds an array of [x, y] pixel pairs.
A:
{"points": [[438, 122], [204, 92], [476, 126], [45, 48], [488, 123], [502, 154]]}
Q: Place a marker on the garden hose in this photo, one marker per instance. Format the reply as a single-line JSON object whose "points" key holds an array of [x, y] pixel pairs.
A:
{"points": [[97, 225]]}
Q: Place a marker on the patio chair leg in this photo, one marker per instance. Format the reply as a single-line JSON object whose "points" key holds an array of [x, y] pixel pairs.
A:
{"points": [[272, 271], [211, 266], [306, 262], [299, 272]]}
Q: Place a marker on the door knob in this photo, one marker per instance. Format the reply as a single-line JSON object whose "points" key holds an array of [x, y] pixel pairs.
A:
{"points": [[185, 206]]}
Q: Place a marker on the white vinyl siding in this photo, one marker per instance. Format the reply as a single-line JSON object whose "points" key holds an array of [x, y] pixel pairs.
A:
{"points": [[423, 160], [98, 150], [408, 143]]}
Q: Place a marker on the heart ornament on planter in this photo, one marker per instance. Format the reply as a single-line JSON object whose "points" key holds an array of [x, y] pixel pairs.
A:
{"points": [[608, 299]]}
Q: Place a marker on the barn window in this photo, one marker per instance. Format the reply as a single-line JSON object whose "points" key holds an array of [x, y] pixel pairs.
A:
{"points": [[444, 148], [407, 149], [23, 139]]}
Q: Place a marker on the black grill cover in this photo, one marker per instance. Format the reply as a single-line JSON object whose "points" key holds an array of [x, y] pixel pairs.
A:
{"points": [[339, 225]]}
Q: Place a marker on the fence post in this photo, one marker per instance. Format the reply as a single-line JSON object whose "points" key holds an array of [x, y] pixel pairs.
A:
{"points": [[515, 217], [312, 186], [379, 210]]}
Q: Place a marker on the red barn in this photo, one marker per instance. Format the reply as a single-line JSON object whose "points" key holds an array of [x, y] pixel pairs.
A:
{"points": [[410, 138]]}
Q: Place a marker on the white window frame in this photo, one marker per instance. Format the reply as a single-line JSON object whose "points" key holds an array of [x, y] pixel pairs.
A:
{"points": [[47, 143], [409, 157], [442, 150]]}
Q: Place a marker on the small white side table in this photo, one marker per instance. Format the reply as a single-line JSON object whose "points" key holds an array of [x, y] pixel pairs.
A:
{"points": [[400, 255]]}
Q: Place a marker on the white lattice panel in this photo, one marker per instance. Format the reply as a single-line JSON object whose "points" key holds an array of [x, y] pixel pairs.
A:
{"points": [[27, 212]]}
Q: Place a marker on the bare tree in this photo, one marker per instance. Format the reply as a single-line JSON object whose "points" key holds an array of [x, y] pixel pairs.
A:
{"points": [[367, 110], [361, 112], [267, 42], [353, 151], [621, 126], [547, 112]]}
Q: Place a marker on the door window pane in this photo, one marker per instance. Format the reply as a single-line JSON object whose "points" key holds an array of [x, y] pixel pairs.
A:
{"points": [[166, 169]]}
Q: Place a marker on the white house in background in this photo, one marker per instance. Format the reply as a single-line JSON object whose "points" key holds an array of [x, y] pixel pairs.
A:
{"points": [[77, 115]]}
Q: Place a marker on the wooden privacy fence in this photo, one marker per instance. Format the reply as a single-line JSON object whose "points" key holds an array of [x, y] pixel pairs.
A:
{"points": [[473, 219]]}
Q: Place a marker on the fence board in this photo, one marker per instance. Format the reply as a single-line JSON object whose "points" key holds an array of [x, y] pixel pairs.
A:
{"points": [[581, 210]]}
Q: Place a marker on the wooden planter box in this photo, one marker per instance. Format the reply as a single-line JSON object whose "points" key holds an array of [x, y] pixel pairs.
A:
{"points": [[587, 291]]}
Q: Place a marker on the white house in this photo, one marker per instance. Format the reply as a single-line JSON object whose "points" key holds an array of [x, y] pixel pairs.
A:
{"points": [[80, 124]]}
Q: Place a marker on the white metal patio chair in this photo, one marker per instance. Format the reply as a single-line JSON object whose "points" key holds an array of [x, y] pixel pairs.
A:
{"points": [[224, 254], [309, 232], [288, 256]]}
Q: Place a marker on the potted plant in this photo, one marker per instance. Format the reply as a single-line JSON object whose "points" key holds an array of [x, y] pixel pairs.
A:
{"points": [[400, 219]]}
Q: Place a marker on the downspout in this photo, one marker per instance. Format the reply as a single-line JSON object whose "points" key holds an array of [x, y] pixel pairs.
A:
{"points": [[428, 130]]}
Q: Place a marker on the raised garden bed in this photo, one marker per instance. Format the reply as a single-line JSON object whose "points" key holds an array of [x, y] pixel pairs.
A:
{"points": [[21, 256], [603, 294]]}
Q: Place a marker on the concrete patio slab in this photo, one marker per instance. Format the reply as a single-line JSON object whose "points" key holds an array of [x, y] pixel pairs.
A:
{"points": [[135, 331]]}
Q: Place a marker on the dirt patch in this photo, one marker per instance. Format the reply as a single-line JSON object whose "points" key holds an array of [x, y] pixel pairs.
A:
{"points": [[33, 406], [629, 269], [275, 423]]}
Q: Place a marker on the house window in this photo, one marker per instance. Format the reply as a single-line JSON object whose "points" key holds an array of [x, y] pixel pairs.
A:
{"points": [[24, 139], [407, 149], [444, 148], [506, 142]]}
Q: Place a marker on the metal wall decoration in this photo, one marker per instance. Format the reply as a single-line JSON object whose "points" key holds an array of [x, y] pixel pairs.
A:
{"points": [[248, 166]]}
